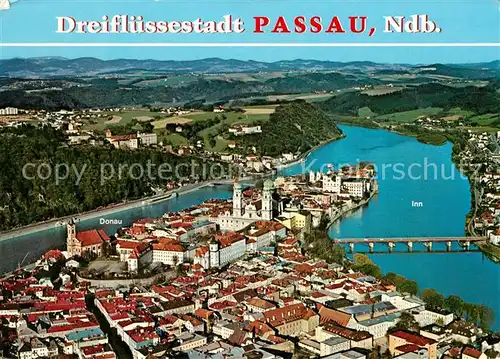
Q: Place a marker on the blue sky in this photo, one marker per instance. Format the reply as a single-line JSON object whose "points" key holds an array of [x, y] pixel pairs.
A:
{"points": [[464, 21]]}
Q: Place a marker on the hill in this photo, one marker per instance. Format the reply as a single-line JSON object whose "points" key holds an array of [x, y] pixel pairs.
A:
{"points": [[46, 67], [29, 198], [295, 127], [480, 100]]}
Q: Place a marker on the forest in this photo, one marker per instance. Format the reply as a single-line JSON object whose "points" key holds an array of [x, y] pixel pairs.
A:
{"points": [[479, 100], [295, 127], [29, 194]]}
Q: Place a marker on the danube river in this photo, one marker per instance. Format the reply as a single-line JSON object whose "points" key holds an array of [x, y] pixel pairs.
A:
{"points": [[411, 202]]}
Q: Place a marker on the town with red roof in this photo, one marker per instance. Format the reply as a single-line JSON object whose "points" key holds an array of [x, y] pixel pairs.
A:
{"points": [[182, 284]]}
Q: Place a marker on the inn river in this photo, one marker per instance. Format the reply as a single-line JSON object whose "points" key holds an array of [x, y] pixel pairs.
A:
{"points": [[421, 193]]}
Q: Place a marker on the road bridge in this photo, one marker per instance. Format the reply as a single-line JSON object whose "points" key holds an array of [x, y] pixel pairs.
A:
{"points": [[426, 241]]}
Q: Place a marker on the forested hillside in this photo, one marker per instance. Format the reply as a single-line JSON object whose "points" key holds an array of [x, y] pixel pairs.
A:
{"points": [[37, 198], [294, 127], [109, 93], [479, 100]]}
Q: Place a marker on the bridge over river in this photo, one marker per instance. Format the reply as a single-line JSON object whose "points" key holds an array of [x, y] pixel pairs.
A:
{"points": [[464, 242]]}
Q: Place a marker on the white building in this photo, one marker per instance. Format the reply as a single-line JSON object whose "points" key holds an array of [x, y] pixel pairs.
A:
{"points": [[427, 317], [172, 254], [332, 183], [148, 139], [8, 111], [244, 215], [494, 237], [222, 251], [334, 345]]}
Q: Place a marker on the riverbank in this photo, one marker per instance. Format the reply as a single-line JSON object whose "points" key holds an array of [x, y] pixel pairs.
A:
{"points": [[350, 209], [491, 251], [108, 211], [306, 154]]}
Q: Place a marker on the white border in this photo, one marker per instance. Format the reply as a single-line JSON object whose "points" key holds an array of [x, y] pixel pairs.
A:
{"points": [[246, 44]]}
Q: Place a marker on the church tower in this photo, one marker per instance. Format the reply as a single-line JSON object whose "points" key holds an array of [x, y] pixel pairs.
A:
{"points": [[267, 200], [237, 199], [71, 237], [214, 255]]}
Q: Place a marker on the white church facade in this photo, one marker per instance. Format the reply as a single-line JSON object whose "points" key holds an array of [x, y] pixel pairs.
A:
{"points": [[243, 214]]}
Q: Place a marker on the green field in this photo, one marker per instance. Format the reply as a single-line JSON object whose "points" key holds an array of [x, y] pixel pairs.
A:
{"points": [[309, 97], [366, 112], [480, 128], [232, 118], [125, 118], [173, 139], [173, 81], [252, 115], [382, 90], [409, 116], [484, 120]]}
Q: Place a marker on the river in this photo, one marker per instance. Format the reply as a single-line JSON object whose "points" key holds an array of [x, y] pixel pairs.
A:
{"points": [[408, 206], [432, 205]]}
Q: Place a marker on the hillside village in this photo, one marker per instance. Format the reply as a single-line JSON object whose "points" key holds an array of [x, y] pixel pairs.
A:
{"points": [[75, 124]]}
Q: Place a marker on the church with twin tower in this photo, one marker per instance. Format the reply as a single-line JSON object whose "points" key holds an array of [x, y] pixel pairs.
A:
{"points": [[244, 214]]}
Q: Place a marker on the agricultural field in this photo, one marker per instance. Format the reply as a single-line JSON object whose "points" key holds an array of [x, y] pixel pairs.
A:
{"points": [[110, 119], [365, 112], [484, 120], [180, 120], [480, 128], [312, 97], [174, 81], [174, 139], [455, 114], [251, 115], [409, 116], [383, 90]]}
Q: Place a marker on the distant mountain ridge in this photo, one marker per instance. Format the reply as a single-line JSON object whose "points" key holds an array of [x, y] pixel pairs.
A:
{"points": [[47, 67]]}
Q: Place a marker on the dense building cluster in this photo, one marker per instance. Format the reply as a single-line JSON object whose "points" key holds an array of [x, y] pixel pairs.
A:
{"points": [[253, 290], [481, 159], [269, 304]]}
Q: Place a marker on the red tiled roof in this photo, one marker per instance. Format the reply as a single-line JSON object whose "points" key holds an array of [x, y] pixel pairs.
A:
{"points": [[413, 338], [168, 247], [260, 303], [203, 313], [127, 244], [331, 315], [408, 348], [123, 137], [200, 252], [472, 352], [259, 327], [287, 314], [92, 237], [54, 253]]}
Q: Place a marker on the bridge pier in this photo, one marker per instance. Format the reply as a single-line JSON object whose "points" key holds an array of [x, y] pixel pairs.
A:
{"points": [[448, 246], [410, 246], [351, 246], [467, 245], [371, 245], [428, 245], [391, 246]]}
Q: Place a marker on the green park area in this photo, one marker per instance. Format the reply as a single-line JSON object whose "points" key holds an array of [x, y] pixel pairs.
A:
{"points": [[409, 116]]}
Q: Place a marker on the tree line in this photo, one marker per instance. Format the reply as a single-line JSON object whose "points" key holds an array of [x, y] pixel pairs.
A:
{"points": [[97, 176]]}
